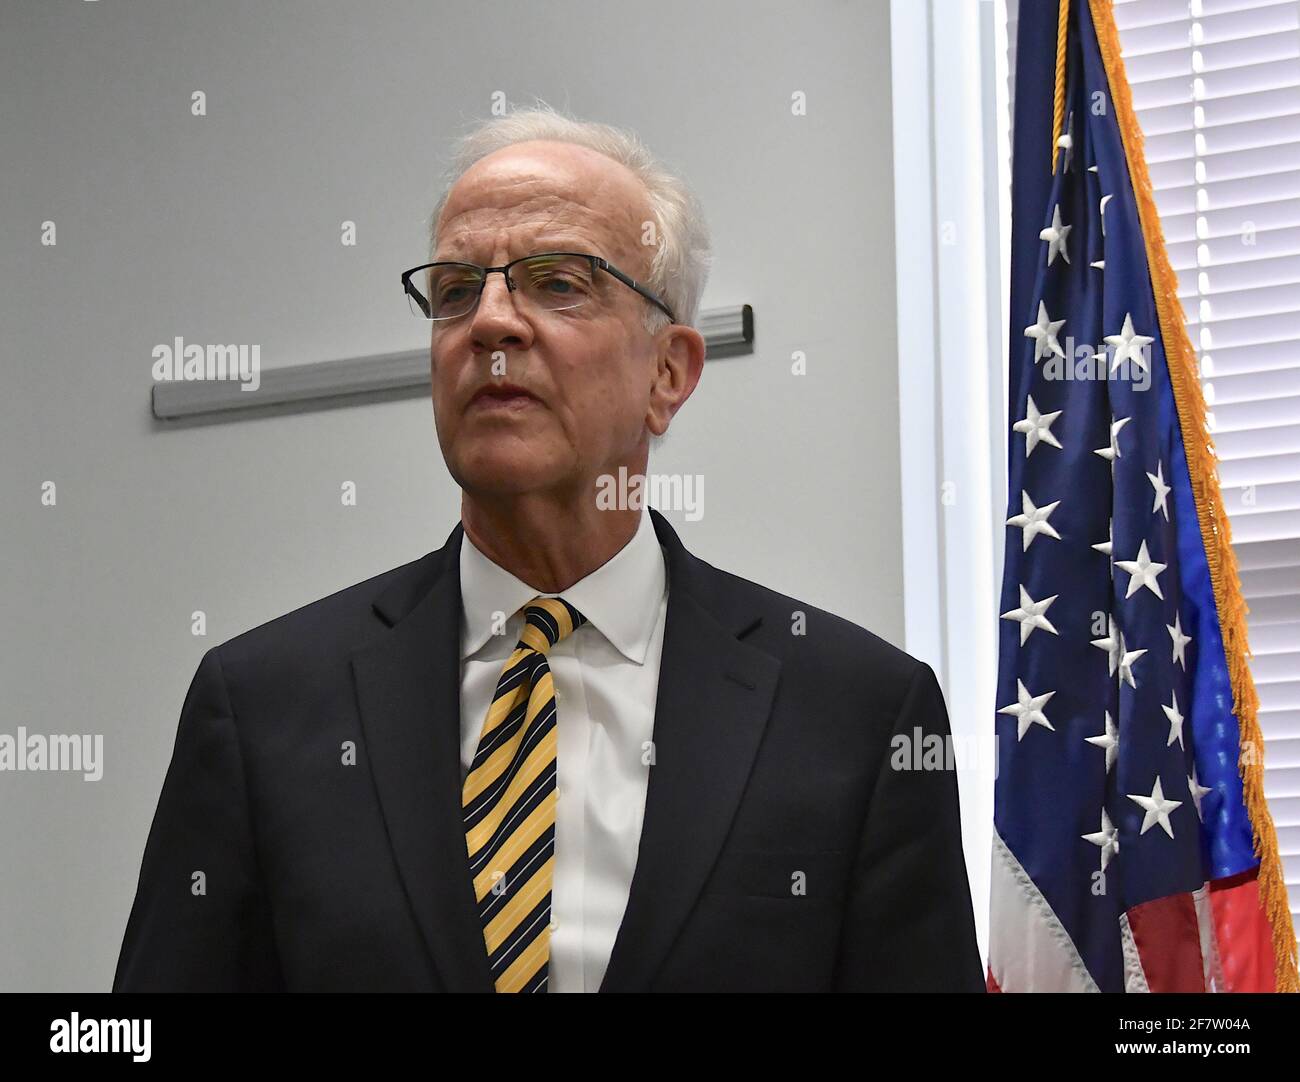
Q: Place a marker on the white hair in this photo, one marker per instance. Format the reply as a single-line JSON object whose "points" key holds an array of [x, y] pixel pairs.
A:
{"points": [[682, 256]]}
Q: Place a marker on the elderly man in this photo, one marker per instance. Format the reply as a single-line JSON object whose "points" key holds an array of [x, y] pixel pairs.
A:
{"points": [[560, 753]]}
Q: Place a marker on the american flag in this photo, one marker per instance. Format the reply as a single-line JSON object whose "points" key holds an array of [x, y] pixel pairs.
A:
{"points": [[1132, 850]]}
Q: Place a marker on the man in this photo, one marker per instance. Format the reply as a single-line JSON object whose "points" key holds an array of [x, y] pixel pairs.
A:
{"points": [[560, 753]]}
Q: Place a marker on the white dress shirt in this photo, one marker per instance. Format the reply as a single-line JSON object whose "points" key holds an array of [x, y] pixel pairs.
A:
{"points": [[606, 676]]}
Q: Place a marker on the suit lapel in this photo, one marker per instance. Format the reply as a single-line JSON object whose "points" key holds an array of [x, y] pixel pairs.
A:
{"points": [[714, 697], [408, 688]]}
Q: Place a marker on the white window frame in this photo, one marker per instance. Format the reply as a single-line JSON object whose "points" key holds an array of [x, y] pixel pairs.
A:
{"points": [[952, 250]]}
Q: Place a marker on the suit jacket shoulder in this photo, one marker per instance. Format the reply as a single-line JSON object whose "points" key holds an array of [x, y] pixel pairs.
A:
{"points": [[300, 643], [812, 639]]}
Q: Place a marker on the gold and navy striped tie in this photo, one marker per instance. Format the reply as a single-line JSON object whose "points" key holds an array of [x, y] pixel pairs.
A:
{"points": [[509, 804]]}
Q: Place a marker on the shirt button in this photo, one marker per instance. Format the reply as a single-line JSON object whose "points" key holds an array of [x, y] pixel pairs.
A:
{"points": [[552, 927]]}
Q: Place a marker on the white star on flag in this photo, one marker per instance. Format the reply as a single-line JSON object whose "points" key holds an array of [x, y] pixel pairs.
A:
{"points": [[1128, 346], [1055, 235], [1030, 615], [1112, 452], [1180, 640], [1033, 520], [1110, 644], [1109, 741], [1106, 546], [1157, 480], [1198, 791], [1126, 659], [1044, 334], [1028, 710], [1107, 838], [1175, 722], [1157, 809], [1036, 427], [1142, 572]]}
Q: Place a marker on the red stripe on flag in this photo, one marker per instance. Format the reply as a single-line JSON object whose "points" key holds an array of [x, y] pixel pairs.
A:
{"points": [[1244, 934], [1169, 943]]}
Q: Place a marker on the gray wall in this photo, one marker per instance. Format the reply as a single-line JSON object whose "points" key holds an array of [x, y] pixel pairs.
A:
{"points": [[226, 229]]}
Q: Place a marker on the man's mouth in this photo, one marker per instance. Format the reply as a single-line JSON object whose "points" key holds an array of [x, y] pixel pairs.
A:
{"points": [[503, 402], [504, 396], [499, 401]]}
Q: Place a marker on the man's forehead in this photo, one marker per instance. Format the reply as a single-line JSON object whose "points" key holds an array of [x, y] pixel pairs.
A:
{"points": [[485, 233], [488, 238], [556, 195]]}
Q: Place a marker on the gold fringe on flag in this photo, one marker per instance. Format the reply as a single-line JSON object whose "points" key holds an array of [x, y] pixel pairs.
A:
{"points": [[1215, 529]]}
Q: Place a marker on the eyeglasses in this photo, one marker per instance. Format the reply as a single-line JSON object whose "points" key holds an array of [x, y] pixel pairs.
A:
{"points": [[553, 281]]}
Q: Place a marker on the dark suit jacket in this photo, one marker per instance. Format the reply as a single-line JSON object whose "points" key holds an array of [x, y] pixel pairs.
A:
{"points": [[323, 870]]}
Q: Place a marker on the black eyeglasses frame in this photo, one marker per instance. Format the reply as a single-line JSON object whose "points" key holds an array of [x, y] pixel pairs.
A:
{"points": [[596, 262]]}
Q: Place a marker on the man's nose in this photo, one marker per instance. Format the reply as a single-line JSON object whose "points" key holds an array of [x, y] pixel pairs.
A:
{"points": [[497, 320]]}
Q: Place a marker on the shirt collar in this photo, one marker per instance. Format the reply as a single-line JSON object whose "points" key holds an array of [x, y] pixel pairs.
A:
{"points": [[620, 598]]}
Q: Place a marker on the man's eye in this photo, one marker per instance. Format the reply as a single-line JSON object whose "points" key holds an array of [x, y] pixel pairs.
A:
{"points": [[561, 284]]}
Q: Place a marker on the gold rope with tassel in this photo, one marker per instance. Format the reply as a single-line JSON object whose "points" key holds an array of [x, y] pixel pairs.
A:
{"points": [[1058, 96], [1216, 532]]}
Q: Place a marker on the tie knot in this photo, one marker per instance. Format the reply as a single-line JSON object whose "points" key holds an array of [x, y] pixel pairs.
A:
{"points": [[547, 620]]}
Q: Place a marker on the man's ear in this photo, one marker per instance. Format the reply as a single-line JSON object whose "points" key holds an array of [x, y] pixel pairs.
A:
{"points": [[681, 351]]}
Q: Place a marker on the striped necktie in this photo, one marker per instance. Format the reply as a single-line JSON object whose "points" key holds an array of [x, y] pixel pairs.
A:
{"points": [[509, 804]]}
